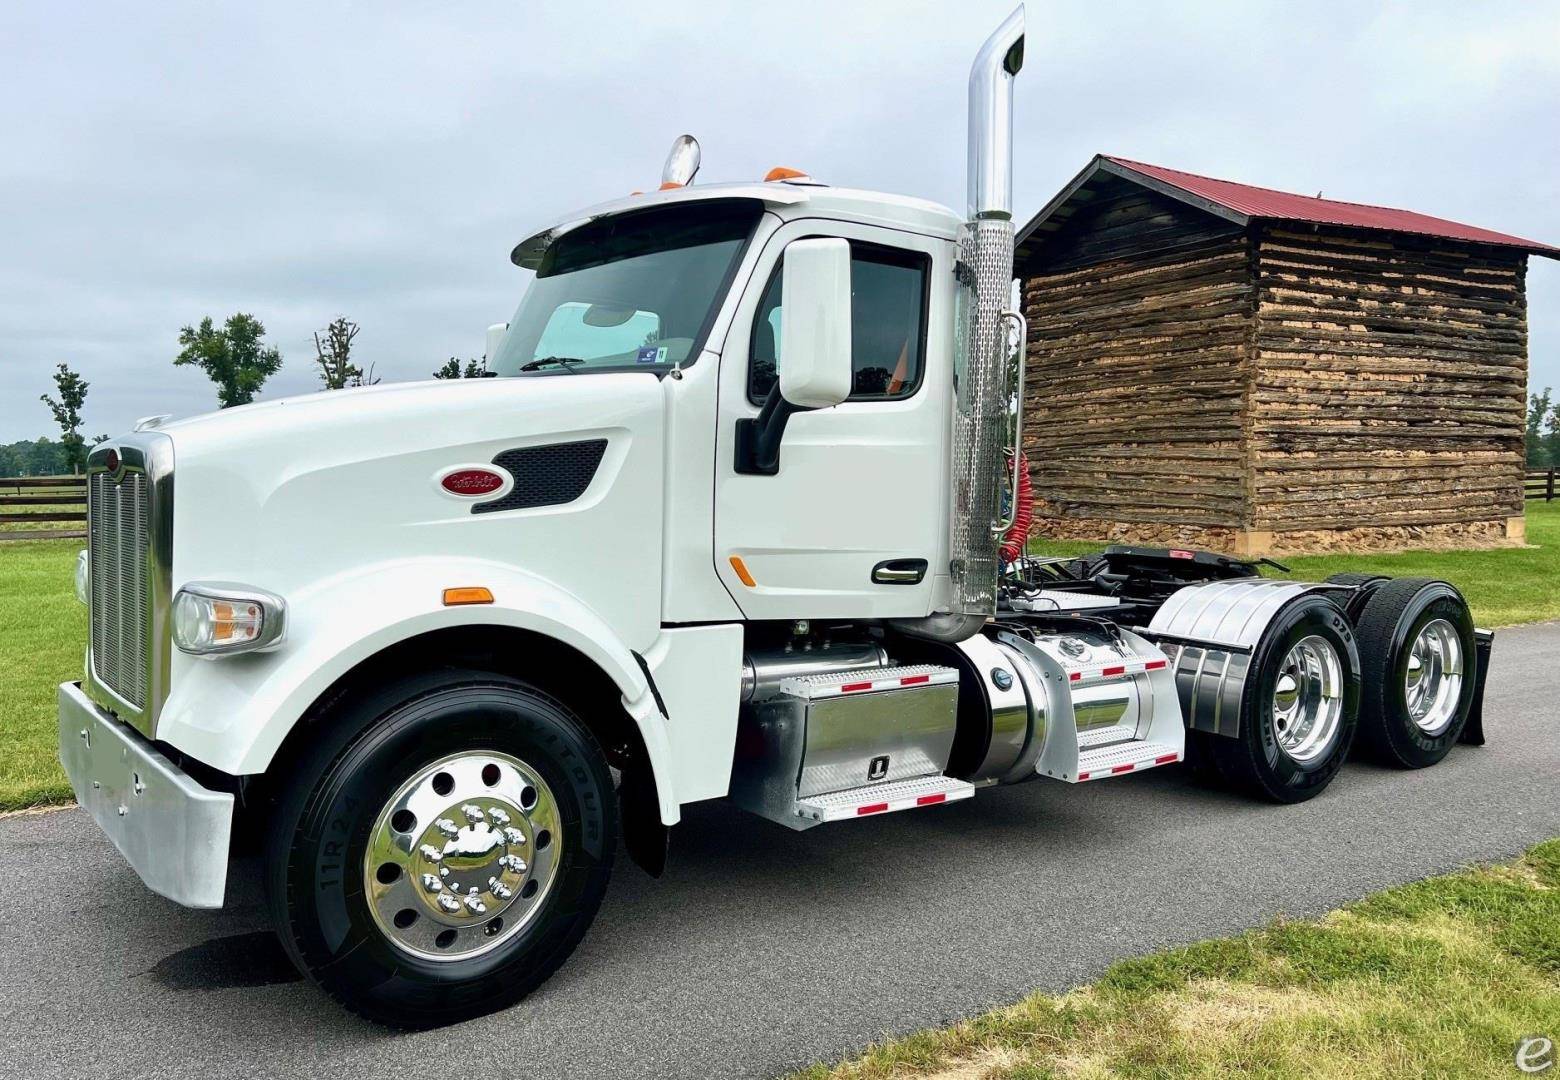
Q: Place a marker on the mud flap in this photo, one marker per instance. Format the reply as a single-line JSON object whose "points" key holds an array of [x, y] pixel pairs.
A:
{"points": [[644, 836], [1473, 731]]}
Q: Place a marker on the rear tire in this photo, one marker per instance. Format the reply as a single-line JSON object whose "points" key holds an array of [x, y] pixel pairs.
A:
{"points": [[1300, 707], [1419, 663], [437, 778]]}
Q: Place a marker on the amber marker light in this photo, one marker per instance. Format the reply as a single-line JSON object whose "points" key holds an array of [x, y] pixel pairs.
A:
{"points": [[472, 594], [742, 572]]}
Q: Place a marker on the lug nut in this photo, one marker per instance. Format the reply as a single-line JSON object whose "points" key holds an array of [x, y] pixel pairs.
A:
{"points": [[473, 812], [476, 905], [514, 835], [513, 862], [447, 827], [432, 883], [498, 816], [503, 892], [431, 853], [449, 903]]}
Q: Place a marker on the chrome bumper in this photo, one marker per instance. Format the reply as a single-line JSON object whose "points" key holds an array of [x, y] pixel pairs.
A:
{"points": [[173, 832]]}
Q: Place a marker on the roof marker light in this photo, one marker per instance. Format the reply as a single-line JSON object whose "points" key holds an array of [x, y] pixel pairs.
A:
{"points": [[780, 172]]}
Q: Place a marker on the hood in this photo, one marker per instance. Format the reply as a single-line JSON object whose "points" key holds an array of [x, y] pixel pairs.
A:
{"points": [[284, 493]]}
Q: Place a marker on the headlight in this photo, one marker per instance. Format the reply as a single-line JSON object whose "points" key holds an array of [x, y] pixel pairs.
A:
{"points": [[83, 583], [216, 618]]}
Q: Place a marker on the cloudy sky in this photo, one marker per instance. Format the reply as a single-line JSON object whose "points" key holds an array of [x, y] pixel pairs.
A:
{"points": [[298, 161]]}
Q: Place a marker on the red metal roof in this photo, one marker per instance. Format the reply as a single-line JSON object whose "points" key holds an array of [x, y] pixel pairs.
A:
{"points": [[1256, 202]]}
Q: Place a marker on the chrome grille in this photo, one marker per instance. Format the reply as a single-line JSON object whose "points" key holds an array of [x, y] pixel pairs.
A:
{"points": [[119, 524]]}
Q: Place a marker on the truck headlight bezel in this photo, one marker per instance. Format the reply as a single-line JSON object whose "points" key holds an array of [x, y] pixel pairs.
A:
{"points": [[220, 618]]}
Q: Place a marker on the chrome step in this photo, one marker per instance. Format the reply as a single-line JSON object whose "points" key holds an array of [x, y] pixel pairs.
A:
{"points": [[884, 798], [1118, 759]]}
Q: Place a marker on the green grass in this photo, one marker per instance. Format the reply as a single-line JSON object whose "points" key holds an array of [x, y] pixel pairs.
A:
{"points": [[1504, 586], [1438, 978], [43, 632]]}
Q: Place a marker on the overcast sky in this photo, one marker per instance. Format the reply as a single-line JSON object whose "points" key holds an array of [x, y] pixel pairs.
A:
{"points": [[164, 161]]}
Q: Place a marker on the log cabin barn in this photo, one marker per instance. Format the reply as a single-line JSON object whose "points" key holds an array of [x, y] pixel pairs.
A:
{"points": [[1256, 372]]}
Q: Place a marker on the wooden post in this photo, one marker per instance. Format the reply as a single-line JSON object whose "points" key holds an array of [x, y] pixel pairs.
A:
{"points": [[1549, 486]]}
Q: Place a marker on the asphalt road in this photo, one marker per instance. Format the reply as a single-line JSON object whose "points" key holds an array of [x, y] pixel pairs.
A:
{"points": [[762, 950]]}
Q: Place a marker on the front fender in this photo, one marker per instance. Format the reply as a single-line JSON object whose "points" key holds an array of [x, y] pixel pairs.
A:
{"points": [[232, 713]]}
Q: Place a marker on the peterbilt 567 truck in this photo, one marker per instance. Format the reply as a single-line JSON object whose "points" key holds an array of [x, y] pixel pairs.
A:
{"points": [[740, 515]]}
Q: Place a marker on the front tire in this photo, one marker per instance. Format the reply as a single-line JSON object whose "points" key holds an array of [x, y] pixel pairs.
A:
{"points": [[444, 850]]}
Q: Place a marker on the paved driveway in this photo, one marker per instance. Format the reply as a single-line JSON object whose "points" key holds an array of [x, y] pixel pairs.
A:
{"points": [[762, 949]]}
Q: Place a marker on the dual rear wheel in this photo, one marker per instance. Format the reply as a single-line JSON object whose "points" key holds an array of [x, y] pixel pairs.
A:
{"points": [[1392, 663]]}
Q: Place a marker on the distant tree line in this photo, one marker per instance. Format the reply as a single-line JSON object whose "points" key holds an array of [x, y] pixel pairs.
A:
{"points": [[1543, 431], [234, 355]]}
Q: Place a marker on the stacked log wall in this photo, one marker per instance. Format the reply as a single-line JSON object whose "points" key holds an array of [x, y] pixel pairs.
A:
{"points": [[1387, 400], [1137, 376]]}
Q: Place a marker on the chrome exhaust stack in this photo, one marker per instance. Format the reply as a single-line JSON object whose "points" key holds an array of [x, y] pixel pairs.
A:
{"points": [[982, 393]]}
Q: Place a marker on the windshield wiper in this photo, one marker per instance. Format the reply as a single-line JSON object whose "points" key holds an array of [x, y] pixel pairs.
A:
{"points": [[548, 361]]}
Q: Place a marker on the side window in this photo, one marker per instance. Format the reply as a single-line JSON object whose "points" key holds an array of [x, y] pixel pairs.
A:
{"points": [[887, 325]]}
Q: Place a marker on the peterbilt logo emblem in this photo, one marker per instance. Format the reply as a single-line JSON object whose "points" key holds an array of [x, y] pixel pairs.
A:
{"points": [[111, 462], [472, 482]]}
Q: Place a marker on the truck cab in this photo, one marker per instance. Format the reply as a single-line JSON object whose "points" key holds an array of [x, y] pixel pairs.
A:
{"points": [[737, 514]]}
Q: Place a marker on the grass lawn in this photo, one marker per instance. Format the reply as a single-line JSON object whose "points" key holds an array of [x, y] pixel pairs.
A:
{"points": [[43, 631], [1438, 978], [1504, 586]]}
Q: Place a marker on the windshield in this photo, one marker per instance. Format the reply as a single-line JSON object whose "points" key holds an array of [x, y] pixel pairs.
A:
{"points": [[633, 291]]}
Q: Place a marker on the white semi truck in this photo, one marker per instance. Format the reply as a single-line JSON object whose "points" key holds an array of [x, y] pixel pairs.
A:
{"points": [[733, 519]]}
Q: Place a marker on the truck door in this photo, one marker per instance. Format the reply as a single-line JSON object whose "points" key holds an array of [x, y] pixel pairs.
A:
{"points": [[853, 523]]}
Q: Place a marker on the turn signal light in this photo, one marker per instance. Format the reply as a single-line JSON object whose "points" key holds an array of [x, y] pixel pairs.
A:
{"points": [[217, 619], [475, 594]]}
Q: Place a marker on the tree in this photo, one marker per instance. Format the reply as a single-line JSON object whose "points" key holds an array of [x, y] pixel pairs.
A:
{"points": [[235, 357], [67, 414], [334, 356], [474, 369], [1543, 431]]}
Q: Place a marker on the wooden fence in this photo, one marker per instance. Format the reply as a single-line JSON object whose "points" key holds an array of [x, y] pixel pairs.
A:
{"points": [[1539, 484], [43, 508]]}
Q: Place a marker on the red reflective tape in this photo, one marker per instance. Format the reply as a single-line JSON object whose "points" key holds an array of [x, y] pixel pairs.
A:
{"points": [[1075, 676], [928, 800], [1165, 759], [1083, 776], [852, 687], [1153, 665], [911, 680], [1122, 768], [1176, 553], [872, 808], [1119, 669]]}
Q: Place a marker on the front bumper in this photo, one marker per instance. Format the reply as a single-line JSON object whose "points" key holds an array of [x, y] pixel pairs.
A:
{"points": [[173, 832]]}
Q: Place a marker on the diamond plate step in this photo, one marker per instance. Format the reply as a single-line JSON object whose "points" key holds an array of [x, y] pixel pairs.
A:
{"points": [[885, 798], [1090, 738], [1119, 759]]}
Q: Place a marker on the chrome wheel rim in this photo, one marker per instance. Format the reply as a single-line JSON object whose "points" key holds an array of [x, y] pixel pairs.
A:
{"points": [[462, 856], [1432, 684], [1307, 704]]}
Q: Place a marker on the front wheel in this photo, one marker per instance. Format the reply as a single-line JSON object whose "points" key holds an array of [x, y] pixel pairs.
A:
{"points": [[444, 852]]}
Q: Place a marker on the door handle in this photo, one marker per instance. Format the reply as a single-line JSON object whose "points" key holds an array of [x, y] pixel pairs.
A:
{"points": [[899, 572]]}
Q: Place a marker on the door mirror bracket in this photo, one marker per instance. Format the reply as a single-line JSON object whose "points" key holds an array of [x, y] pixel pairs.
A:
{"points": [[758, 437]]}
